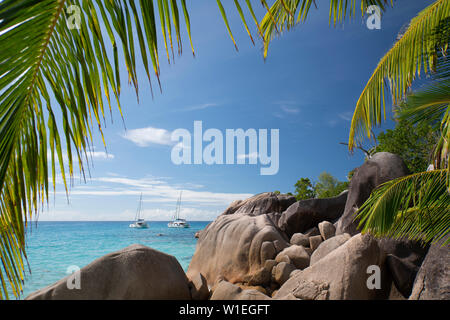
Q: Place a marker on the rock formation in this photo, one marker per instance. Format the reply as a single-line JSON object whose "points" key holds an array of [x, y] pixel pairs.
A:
{"points": [[433, 279], [342, 274], [306, 214], [236, 245], [134, 273]]}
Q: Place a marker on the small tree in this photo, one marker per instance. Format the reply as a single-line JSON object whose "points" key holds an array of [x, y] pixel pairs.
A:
{"points": [[326, 187], [413, 143], [329, 186], [304, 189]]}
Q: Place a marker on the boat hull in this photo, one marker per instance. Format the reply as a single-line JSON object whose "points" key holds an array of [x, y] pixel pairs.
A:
{"points": [[181, 226], [135, 226]]}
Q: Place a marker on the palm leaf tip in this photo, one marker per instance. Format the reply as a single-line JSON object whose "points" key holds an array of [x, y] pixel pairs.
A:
{"points": [[53, 83], [416, 207], [413, 53]]}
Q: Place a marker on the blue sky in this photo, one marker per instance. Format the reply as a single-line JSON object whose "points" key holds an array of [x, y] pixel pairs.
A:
{"points": [[307, 88]]}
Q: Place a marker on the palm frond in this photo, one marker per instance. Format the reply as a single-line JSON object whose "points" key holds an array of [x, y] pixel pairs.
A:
{"points": [[67, 50], [285, 14], [415, 52], [431, 105], [416, 207]]}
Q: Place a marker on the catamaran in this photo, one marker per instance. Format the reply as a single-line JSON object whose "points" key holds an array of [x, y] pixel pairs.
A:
{"points": [[139, 223], [177, 222]]}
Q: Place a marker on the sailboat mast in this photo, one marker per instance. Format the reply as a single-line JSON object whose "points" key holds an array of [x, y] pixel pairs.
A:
{"points": [[177, 209], [138, 213], [179, 205]]}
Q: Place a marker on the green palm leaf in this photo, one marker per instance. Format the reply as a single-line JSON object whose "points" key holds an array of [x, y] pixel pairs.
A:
{"points": [[431, 104], [415, 52], [69, 50], [416, 207], [285, 14]]}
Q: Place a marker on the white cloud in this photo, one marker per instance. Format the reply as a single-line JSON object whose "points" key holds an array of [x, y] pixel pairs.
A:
{"points": [[113, 198], [290, 109], [347, 116], [201, 106], [92, 155], [144, 137], [155, 190], [332, 123], [100, 155], [286, 108], [192, 214]]}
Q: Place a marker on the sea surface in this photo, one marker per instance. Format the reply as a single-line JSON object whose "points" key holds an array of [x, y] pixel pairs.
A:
{"points": [[54, 247]]}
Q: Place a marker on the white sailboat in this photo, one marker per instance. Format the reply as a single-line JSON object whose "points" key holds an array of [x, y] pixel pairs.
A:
{"points": [[177, 222], [139, 223]]}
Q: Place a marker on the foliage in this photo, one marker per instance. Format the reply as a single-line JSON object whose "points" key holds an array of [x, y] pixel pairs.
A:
{"points": [[327, 186], [304, 189], [414, 53], [41, 57], [416, 205], [413, 143]]}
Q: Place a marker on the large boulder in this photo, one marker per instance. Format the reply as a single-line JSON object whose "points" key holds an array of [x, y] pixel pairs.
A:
{"points": [[433, 279], [225, 290], [235, 246], [282, 271], [314, 242], [341, 275], [328, 246], [306, 214], [382, 167], [300, 239], [327, 230], [134, 273], [296, 254], [262, 203], [199, 287], [405, 256]]}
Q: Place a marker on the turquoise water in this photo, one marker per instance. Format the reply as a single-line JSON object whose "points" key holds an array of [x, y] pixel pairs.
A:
{"points": [[55, 246]]}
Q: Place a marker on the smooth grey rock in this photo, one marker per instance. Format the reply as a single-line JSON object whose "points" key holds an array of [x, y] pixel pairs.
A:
{"points": [[327, 230], [314, 242], [312, 232], [433, 279], [134, 273], [262, 203], [228, 291], [300, 239], [341, 275], [199, 287], [305, 214], [328, 246], [232, 247], [268, 251], [297, 255], [269, 264], [283, 258], [282, 272], [382, 167], [403, 261], [280, 245]]}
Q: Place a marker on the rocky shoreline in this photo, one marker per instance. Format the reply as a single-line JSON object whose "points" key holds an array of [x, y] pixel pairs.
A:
{"points": [[271, 246]]}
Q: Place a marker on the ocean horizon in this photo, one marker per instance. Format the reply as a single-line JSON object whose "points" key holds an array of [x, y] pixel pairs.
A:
{"points": [[54, 247]]}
